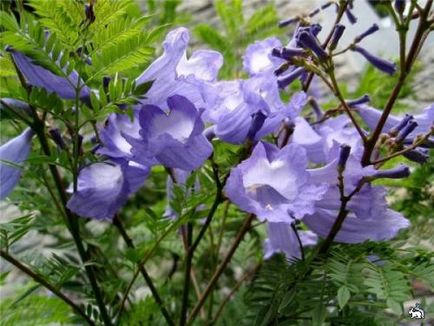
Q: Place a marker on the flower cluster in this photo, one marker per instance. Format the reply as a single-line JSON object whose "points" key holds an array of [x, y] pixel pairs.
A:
{"points": [[291, 183]]}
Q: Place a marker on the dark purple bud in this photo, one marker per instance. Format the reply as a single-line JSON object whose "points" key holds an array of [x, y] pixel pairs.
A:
{"points": [[286, 22], [14, 105], [289, 78], [350, 16], [399, 6], [315, 29], [106, 82], [90, 15], [337, 34], [80, 145], [287, 53], [409, 127], [418, 155], [344, 154], [209, 133], [381, 64], [361, 100], [394, 130], [328, 4], [57, 138], [284, 67], [401, 171], [257, 123], [316, 109], [315, 12], [369, 31], [309, 41], [428, 143]]}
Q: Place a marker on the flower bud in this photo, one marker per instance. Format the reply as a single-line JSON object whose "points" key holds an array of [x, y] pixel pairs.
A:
{"points": [[310, 42], [380, 64], [350, 16], [369, 31], [287, 52], [57, 138], [418, 155], [286, 22], [402, 171], [289, 78], [394, 130], [409, 127], [337, 34], [361, 100], [344, 154], [257, 123], [399, 6], [316, 109]]}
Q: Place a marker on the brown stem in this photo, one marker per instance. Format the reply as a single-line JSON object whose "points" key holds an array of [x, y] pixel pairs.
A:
{"points": [[47, 285], [234, 290], [146, 276], [221, 268], [417, 43]]}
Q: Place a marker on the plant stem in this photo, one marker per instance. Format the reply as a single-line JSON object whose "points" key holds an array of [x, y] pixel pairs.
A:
{"points": [[234, 290], [417, 43], [46, 284], [129, 242], [342, 7], [187, 275], [221, 268], [72, 221]]}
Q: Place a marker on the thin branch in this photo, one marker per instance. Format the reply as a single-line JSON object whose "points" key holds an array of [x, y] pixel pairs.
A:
{"points": [[409, 60], [341, 12], [234, 290], [37, 278], [221, 268], [129, 242]]}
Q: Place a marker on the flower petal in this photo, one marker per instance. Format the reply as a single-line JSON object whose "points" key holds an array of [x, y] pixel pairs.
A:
{"points": [[15, 151]]}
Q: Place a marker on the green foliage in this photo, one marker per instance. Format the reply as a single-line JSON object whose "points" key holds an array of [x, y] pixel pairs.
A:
{"points": [[239, 31]]}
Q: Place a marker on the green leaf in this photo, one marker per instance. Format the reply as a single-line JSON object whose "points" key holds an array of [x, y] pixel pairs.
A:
{"points": [[343, 296]]}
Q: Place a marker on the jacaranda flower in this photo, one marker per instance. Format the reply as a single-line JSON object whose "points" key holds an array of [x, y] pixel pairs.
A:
{"points": [[424, 120], [273, 184], [103, 188], [369, 217], [174, 139], [174, 73], [37, 76], [15, 152]]}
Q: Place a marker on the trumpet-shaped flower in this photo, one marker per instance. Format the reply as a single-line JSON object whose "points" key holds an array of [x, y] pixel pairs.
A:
{"points": [[174, 73], [274, 184], [37, 76], [15, 152], [103, 188], [174, 139]]}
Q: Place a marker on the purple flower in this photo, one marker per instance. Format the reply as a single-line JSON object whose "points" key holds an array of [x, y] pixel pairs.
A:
{"points": [[258, 57], [40, 77], [15, 151], [174, 139], [321, 141], [282, 239], [274, 184], [117, 129], [103, 188], [369, 217], [424, 120], [174, 73]]}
